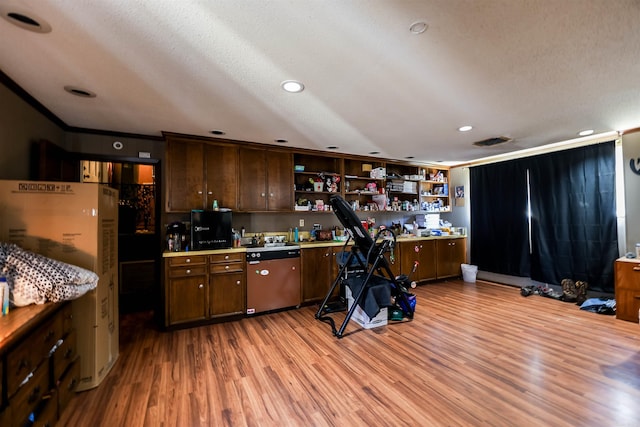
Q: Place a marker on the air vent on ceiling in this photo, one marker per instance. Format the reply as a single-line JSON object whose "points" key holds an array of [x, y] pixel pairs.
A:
{"points": [[492, 141]]}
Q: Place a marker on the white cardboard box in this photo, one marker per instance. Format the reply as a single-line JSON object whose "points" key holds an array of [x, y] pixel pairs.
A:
{"points": [[361, 318]]}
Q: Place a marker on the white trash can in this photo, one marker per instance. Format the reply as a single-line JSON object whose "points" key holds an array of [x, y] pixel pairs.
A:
{"points": [[469, 272]]}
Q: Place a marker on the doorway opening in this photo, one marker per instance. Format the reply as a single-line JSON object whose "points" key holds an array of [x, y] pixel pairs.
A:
{"points": [[138, 233]]}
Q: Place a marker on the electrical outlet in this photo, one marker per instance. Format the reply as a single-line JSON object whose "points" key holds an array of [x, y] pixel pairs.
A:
{"points": [[302, 223]]}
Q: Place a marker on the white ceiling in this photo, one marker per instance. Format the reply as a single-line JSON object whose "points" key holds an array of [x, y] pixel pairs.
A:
{"points": [[537, 71]]}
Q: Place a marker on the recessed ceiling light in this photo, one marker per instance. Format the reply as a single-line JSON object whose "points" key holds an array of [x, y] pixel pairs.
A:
{"points": [[465, 128], [78, 91], [218, 132], [281, 141], [332, 147], [409, 157], [292, 86], [418, 27], [25, 20], [374, 152], [585, 132]]}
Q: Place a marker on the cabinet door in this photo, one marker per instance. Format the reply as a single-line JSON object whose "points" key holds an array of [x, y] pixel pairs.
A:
{"points": [[422, 251], [221, 165], [185, 176], [627, 290], [252, 174], [187, 299], [227, 294], [451, 253], [266, 180], [316, 273], [279, 181]]}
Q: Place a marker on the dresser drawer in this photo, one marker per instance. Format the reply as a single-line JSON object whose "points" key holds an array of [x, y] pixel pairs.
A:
{"points": [[46, 414], [30, 395], [67, 319], [30, 353], [226, 258], [187, 260], [64, 355], [68, 384]]}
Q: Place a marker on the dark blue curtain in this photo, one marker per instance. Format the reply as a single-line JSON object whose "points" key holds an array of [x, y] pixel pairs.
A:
{"points": [[500, 237], [573, 223], [574, 228]]}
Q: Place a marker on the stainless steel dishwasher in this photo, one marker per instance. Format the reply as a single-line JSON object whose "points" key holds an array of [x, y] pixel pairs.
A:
{"points": [[273, 278]]}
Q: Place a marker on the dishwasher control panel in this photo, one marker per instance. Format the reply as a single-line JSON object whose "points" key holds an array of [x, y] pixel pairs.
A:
{"points": [[267, 255]]}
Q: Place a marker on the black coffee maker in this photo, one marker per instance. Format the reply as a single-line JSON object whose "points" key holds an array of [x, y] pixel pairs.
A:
{"points": [[176, 237]]}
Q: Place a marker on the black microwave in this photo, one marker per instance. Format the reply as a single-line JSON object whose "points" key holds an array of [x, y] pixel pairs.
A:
{"points": [[211, 229]]}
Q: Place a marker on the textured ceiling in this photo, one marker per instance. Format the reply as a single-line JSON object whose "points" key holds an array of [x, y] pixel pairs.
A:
{"points": [[537, 71]]}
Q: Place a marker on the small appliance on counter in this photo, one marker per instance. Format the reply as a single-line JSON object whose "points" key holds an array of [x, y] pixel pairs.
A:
{"points": [[211, 229], [176, 236]]}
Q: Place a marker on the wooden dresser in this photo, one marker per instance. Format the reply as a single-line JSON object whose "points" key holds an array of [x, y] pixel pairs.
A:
{"points": [[38, 364], [627, 291]]}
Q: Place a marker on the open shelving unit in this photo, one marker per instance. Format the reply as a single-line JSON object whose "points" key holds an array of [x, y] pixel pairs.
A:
{"points": [[369, 184], [316, 178]]}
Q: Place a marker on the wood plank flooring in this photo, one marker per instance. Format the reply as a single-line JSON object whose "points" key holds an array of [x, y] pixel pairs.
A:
{"points": [[475, 354]]}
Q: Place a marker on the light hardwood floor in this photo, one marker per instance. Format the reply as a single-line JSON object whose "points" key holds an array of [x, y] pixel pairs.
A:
{"points": [[475, 354]]}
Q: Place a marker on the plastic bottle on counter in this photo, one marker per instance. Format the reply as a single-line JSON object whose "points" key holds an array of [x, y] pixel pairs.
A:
{"points": [[295, 235], [215, 205]]}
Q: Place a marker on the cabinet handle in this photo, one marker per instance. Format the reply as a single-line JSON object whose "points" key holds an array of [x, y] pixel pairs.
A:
{"points": [[238, 282], [270, 194], [636, 268], [188, 271], [209, 193], [24, 363], [226, 267], [188, 260], [199, 192], [262, 194], [226, 257], [200, 286]]}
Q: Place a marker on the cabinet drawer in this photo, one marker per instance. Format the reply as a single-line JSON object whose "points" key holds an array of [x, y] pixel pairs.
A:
{"points": [[187, 271], [67, 319], [226, 258], [68, 384], [187, 260], [31, 352], [46, 414], [30, 395], [5, 416], [64, 355], [235, 267]]}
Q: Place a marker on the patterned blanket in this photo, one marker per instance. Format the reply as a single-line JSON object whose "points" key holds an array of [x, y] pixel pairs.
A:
{"points": [[36, 279]]}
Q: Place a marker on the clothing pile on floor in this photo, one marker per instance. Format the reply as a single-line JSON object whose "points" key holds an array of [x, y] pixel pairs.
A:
{"points": [[575, 292]]}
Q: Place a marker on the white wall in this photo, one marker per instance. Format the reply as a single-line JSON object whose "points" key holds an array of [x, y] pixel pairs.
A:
{"points": [[631, 167]]}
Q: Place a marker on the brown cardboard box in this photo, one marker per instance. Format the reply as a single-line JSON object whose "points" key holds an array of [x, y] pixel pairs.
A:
{"points": [[78, 224]]}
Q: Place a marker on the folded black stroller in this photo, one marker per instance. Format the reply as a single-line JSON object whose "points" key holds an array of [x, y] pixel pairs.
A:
{"points": [[373, 286]]}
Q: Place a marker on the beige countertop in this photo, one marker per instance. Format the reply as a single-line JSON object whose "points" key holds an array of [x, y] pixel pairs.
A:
{"points": [[303, 245]]}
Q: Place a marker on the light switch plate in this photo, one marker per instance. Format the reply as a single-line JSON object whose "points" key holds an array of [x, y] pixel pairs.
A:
{"points": [[302, 223]]}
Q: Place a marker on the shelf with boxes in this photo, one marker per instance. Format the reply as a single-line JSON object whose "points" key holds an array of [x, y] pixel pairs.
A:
{"points": [[316, 178], [417, 188], [434, 191], [364, 181]]}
